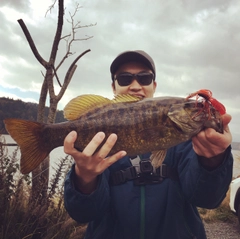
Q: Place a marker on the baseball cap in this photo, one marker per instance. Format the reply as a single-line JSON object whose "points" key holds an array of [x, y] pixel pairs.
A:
{"points": [[136, 56]]}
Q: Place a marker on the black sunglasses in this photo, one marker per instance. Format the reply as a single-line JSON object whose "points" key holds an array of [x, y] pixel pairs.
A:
{"points": [[143, 78]]}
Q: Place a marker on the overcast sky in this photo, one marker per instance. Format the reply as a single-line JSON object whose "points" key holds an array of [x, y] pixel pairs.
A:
{"points": [[195, 45]]}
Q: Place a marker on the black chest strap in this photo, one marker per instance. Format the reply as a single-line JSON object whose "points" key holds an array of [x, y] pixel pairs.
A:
{"points": [[144, 176]]}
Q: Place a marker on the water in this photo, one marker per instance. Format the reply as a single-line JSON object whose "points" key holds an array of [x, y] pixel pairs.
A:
{"points": [[58, 153], [55, 155], [236, 163]]}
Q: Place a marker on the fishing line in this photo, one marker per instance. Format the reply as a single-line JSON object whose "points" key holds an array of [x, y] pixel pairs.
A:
{"points": [[40, 173]]}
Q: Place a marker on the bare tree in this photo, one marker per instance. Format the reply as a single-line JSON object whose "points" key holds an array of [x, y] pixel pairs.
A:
{"points": [[40, 176]]}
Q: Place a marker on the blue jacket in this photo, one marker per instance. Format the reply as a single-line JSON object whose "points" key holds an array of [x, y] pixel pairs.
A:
{"points": [[157, 211]]}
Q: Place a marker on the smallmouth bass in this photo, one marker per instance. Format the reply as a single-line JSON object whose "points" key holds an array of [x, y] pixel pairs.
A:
{"points": [[142, 125]]}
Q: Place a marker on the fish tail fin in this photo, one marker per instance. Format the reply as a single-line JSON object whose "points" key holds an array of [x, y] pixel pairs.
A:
{"points": [[28, 135]]}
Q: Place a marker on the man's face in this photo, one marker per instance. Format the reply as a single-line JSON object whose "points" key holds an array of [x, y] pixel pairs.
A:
{"points": [[145, 91]]}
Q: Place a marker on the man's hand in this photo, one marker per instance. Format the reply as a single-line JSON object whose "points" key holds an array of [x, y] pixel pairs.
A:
{"points": [[210, 145], [88, 163]]}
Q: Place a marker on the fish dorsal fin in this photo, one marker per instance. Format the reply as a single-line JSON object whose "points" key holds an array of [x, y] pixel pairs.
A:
{"points": [[82, 104], [125, 98]]}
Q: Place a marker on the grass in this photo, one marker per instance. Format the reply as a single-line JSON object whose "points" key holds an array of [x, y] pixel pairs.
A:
{"points": [[22, 218]]}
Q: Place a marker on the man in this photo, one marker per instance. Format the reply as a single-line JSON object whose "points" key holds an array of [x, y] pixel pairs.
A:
{"points": [[196, 173]]}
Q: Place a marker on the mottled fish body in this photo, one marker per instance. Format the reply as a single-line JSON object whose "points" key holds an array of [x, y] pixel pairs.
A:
{"points": [[147, 125]]}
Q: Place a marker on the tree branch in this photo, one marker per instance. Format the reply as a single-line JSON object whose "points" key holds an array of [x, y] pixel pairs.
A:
{"points": [[70, 38], [31, 43], [73, 63], [55, 74], [54, 50], [8, 144], [58, 34], [51, 7], [69, 74]]}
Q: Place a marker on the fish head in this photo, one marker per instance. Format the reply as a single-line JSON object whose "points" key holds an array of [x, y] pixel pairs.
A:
{"points": [[191, 117]]}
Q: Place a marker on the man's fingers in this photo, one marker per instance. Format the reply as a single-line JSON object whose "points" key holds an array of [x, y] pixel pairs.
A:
{"points": [[226, 119], [90, 150], [106, 148], [69, 142], [114, 158], [94, 143]]}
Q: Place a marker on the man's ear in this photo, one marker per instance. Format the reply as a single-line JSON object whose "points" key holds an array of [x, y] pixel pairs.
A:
{"points": [[154, 85], [113, 88]]}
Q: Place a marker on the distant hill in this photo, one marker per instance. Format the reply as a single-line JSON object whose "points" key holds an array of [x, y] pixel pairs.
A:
{"points": [[10, 108]]}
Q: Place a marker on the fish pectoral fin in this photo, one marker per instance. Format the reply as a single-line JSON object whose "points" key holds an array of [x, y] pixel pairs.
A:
{"points": [[157, 157], [82, 104]]}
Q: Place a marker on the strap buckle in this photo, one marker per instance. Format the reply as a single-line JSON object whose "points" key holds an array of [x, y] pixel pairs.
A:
{"points": [[163, 171], [144, 179], [147, 174]]}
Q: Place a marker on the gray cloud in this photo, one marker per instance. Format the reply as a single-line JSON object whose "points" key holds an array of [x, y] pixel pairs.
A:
{"points": [[21, 5], [195, 45]]}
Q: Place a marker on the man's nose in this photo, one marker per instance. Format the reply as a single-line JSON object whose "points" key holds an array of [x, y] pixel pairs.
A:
{"points": [[135, 85]]}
